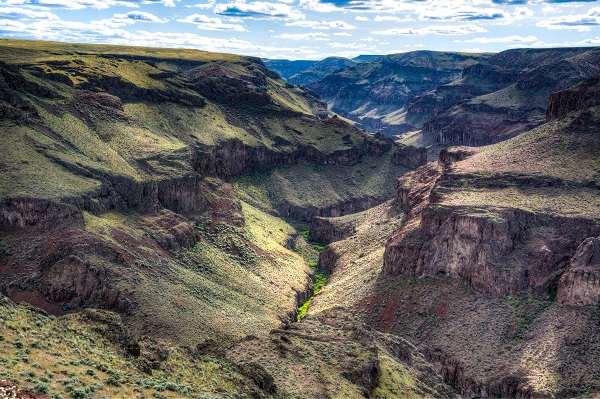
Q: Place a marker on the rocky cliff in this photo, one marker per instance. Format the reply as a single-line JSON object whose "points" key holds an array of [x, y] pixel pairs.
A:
{"points": [[583, 95], [376, 93], [505, 95], [580, 284]]}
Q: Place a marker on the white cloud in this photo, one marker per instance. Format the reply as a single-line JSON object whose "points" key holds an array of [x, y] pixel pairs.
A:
{"points": [[207, 23], [350, 46], [389, 18], [586, 42], [359, 18], [322, 24], [579, 22], [508, 39], [548, 9], [433, 30], [25, 14], [202, 6], [342, 34], [130, 18], [81, 4], [302, 36], [462, 13], [364, 5], [96, 33], [258, 10]]}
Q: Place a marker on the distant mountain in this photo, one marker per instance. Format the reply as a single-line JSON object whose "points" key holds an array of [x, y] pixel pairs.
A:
{"points": [[375, 93], [321, 69], [365, 57], [503, 96], [287, 68]]}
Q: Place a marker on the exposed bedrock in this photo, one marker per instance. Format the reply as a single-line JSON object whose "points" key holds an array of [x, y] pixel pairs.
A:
{"points": [[324, 230], [328, 258], [62, 266], [509, 385], [410, 156], [580, 284], [584, 95], [498, 251], [239, 157]]}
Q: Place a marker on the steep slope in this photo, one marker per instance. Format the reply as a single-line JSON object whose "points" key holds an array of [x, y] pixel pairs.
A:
{"points": [[491, 268], [287, 68], [330, 355], [375, 93], [92, 354], [116, 185], [320, 70], [504, 95]]}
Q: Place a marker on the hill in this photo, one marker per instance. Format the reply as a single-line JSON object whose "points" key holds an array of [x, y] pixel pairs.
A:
{"points": [[497, 242], [507, 94], [116, 185], [287, 68], [456, 99], [375, 93], [321, 69]]}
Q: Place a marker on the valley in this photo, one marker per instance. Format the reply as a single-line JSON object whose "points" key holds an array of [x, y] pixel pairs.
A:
{"points": [[185, 224]]}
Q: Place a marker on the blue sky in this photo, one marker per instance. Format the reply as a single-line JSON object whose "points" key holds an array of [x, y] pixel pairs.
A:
{"points": [[308, 29]]}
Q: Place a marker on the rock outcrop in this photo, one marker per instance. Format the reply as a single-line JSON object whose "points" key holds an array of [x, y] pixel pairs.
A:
{"points": [[324, 230], [584, 95], [373, 93], [580, 284], [509, 94], [410, 156]]}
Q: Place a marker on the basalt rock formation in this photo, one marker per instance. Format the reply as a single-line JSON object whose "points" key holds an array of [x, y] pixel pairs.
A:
{"points": [[580, 284], [506, 94], [123, 184], [584, 95], [375, 93], [496, 242]]}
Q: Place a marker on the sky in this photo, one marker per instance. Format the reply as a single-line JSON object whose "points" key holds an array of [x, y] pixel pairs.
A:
{"points": [[308, 29]]}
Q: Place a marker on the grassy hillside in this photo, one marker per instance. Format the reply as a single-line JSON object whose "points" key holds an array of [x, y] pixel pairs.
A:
{"points": [[85, 355], [562, 156], [116, 186]]}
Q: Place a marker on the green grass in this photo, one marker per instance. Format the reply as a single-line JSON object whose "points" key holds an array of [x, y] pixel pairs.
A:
{"points": [[321, 186], [320, 281], [70, 356]]}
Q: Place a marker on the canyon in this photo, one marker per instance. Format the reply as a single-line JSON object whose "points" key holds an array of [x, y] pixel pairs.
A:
{"points": [[164, 213]]}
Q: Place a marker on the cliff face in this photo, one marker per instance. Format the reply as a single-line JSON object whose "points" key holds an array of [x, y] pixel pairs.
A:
{"points": [[506, 95], [495, 242], [373, 93], [584, 95], [580, 284]]}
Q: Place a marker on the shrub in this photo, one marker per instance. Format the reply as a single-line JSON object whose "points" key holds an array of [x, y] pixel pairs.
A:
{"points": [[41, 387]]}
